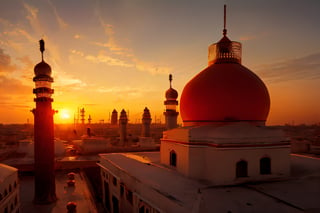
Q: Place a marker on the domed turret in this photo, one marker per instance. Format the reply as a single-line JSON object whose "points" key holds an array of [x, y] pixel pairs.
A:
{"points": [[171, 94], [225, 91], [171, 103], [42, 69]]}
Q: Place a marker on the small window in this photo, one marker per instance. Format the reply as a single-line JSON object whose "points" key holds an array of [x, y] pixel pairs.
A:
{"points": [[15, 200], [242, 169], [265, 166], [173, 158], [15, 184], [141, 209], [5, 192], [114, 181], [1, 197], [10, 188], [121, 189], [129, 196]]}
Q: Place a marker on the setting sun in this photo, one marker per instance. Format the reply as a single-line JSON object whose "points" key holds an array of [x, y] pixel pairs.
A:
{"points": [[64, 114]]}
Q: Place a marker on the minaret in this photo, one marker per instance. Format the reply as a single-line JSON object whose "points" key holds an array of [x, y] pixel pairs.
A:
{"points": [[82, 114], [114, 117], [146, 121], [89, 119], [44, 177], [171, 103], [123, 121]]}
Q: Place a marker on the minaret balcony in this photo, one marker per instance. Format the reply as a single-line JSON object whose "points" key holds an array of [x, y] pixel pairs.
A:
{"points": [[43, 91]]}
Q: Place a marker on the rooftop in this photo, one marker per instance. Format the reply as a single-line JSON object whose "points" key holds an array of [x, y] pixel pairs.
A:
{"points": [[278, 196], [79, 194]]}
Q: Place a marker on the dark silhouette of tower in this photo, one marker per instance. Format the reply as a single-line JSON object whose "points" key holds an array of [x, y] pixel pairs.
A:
{"points": [[89, 119], [82, 114], [114, 117], [171, 103], [123, 121], [146, 121], [45, 188]]}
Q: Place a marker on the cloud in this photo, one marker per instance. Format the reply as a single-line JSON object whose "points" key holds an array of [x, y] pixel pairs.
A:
{"points": [[307, 67], [151, 67], [102, 57], [65, 82], [5, 63], [32, 16], [77, 36], [123, 91], [60, 21], [247, 38], [128, 58]]}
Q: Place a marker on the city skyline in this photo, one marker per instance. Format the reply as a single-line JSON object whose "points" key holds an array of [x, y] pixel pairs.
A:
{"points": [[118, 54]]}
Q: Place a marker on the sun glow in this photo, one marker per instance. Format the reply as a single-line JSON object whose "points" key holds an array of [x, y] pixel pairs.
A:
{"points": [[64, 114]]}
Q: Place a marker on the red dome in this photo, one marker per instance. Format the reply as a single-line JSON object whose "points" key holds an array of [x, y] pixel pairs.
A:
{"points": [[224, 92]]}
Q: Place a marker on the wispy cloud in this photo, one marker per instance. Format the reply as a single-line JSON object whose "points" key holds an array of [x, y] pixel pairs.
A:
{"points": [[127, 56], [65, 82], [102, 57], [307, 67], [5, 63], [11, 86], [123, 91], [77, 36], [61, 22], [32, 16], [247, 38]]}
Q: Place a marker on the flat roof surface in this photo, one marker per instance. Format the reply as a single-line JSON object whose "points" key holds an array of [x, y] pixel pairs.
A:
{"points": [[298, 193], [79, 194]]}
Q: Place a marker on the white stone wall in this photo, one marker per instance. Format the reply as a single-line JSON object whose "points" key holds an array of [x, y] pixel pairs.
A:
{"points": [[218, 165], [9, 190]]}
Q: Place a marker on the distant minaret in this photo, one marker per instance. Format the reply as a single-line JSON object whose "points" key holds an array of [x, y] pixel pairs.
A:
{"points": [[114, 117], [171, 103], [82, 114], [44, 178], [146, 121], [123, 121], [89, 119]]}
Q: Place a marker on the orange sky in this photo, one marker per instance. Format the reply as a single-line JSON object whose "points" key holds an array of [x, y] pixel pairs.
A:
{"points": [[118, 54]]}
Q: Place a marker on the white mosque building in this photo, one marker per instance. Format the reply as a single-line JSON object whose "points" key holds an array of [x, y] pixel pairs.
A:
{"points": [[9, 189], [221, 160]]}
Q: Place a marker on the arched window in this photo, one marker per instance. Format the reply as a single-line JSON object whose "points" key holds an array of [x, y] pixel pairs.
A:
{"points": [[242, 169], [265, 166], [173, 158]]}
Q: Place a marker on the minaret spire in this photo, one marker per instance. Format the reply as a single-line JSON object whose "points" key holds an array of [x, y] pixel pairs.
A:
{"points": [[41, 48], [225, 20], [170, 79]]}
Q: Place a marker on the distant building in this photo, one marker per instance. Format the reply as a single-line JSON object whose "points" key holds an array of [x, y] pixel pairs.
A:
{"points": [[114, 117], [9, 189], [146, 122], [223, 142], [145, 140], [123, 121]]}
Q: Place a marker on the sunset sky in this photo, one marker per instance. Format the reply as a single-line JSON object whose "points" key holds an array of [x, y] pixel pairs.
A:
{"points": [[108, 54]]}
